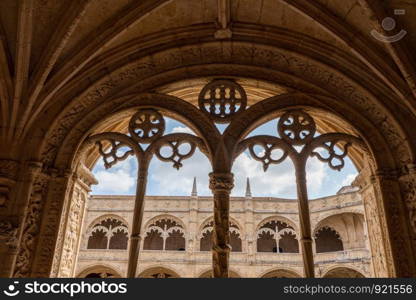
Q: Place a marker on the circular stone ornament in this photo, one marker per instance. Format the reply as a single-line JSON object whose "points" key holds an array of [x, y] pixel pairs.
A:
{"points": [[222, 100], [296, 127], [146, 126]]}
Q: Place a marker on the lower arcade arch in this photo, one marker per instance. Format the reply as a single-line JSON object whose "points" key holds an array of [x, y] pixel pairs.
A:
{"points": [[99, 271], [158, 272], [343, 272], [208, 274], [280, 273]]}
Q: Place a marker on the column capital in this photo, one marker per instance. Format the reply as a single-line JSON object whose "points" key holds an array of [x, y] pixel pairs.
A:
{"points": [[221, 181]]}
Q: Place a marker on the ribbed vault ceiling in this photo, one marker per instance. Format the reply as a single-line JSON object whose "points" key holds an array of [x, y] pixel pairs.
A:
{"points": [[47, 45]]}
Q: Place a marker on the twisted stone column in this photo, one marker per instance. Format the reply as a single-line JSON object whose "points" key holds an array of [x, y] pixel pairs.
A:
{"points": [[221, 185]]}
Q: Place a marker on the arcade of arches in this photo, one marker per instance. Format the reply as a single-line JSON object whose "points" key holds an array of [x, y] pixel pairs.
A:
{"points": [[83, 80], [264, 236]]}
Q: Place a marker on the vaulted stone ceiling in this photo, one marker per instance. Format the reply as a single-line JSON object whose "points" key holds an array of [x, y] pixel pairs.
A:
{"points": [[52, 51]]}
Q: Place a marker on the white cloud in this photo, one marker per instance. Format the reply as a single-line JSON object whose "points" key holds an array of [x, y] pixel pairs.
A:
{"points": [[118, 180], [348, 180], [166, 180], [279, 180]]}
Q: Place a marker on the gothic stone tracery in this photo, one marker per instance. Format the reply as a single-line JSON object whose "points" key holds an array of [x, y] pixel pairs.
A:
{"points": [[65, 67]]}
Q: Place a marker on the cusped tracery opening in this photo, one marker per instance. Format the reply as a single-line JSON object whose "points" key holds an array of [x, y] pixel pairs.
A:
{"points": [[109, 233], [164, 234], [206, 237], [278, 237], [328, 240]]}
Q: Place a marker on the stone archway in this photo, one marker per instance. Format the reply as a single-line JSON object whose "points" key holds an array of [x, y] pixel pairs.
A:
{"points": [[99, 272], [158, 272], [55, 93], [369, 111], [343, 272], [208, 274], [280, 273]]}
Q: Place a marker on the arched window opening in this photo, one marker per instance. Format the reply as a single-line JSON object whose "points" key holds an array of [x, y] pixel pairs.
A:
{"points": [[277, 237], [328, 240], [206, 240], [153, 240], [165, 234], [350, 226], [110, 233], [206, 237], [281, 274], [288, 243], [175, 241], [208, 274], [98, 239], [235, 242], [100, 275], [99, 272], [118, 240], [158, 272], [343, 272]]}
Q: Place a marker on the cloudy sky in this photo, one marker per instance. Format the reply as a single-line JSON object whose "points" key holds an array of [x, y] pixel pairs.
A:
{"points": [[278, 181]]}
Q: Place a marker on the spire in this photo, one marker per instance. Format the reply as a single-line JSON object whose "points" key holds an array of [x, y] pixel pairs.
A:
{"points": [[248, 188], [194, 190]]}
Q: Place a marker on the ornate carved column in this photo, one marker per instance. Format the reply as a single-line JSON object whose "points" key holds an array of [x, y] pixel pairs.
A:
{"points": [[387, 224], [408, 190], [72, 220], [374, 224], [397, 224], [8, 226], [31, 196], [50, 239], [221, 185], [8, 247]]}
